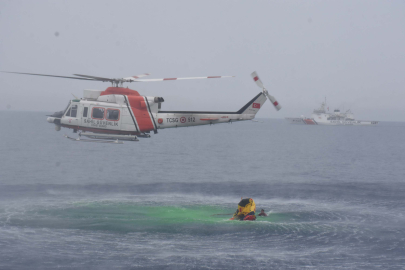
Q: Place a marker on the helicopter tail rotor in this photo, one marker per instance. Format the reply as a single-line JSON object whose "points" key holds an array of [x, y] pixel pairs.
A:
{"points": [[270, 97]]}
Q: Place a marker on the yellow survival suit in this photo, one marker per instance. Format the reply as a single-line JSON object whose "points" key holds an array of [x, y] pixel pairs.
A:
{"points": [[246, 210]]}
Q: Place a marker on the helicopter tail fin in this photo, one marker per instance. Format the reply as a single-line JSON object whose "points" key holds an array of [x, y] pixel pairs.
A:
{"points": [[253, 106]]}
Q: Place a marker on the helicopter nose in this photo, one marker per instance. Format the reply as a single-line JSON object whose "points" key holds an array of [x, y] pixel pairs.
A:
{"points": [[50, 119], [55, 121]]}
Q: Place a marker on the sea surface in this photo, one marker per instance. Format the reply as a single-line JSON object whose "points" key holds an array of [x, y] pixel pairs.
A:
{"points": [[335, 197]]}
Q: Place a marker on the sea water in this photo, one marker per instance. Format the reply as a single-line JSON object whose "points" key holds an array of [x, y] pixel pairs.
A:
{"points": [[334, 195]]}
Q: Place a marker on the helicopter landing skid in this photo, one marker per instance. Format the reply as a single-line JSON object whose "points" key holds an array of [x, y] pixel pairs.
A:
{"points": [[90, 140]]}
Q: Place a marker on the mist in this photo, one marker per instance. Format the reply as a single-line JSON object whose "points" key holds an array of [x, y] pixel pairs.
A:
{"points": [[350, 52]]}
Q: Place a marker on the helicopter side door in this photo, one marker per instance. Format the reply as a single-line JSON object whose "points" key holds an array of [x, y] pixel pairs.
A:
{"points": [[95, 117], [86, 119], [72, 115], [112, 117]]}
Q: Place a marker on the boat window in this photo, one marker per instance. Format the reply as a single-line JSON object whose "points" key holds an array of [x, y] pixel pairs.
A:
{"points": [[113, 114], [68, 113], [98, 113], [85, 111], [73, 111]]}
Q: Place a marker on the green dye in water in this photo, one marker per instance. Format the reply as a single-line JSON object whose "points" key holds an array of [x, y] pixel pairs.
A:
{"points": [[128, 216]]}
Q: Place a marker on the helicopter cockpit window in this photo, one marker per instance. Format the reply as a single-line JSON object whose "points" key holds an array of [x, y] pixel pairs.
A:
{"points": [[113, 115], [73, 112], [68, 113], [98, 113], [67, 107]]}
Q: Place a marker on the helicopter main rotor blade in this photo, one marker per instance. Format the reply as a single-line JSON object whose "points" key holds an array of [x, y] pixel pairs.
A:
{"points": [[119, 80], [137, 76], [95, 77], [127, 79], [66, 77], [186, 78]]}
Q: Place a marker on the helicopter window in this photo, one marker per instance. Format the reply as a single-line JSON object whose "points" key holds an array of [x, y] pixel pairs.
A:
{"points": [[73, 112], [113, 115], [98, 113], [85, 111], [67, 107]]}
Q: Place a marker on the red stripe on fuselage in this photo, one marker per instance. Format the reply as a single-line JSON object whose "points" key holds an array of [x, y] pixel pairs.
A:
{"points": [[119, 91], [141, 113]]}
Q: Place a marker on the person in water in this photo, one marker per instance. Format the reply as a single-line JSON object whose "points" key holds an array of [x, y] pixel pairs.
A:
{"points": [[262, 213]]}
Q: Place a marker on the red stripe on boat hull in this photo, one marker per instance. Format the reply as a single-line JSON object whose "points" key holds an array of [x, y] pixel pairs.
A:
{"points": [[309, 122]]}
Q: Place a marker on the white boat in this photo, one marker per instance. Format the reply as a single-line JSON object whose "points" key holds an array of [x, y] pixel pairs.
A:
{"points": [[337, 118]]}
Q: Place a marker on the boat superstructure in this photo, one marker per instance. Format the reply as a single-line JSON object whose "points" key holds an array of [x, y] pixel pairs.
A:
{"points": [[321, 117]]}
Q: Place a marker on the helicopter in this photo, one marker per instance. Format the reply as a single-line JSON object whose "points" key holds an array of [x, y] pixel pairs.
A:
{"points": [[119, 113]]}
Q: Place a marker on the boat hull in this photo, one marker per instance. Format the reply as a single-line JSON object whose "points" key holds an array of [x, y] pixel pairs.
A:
{"points": [[347, 123], [311, 121]]}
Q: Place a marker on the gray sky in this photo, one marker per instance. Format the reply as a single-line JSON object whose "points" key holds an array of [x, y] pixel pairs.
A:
{"points": [[352, 52]]}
